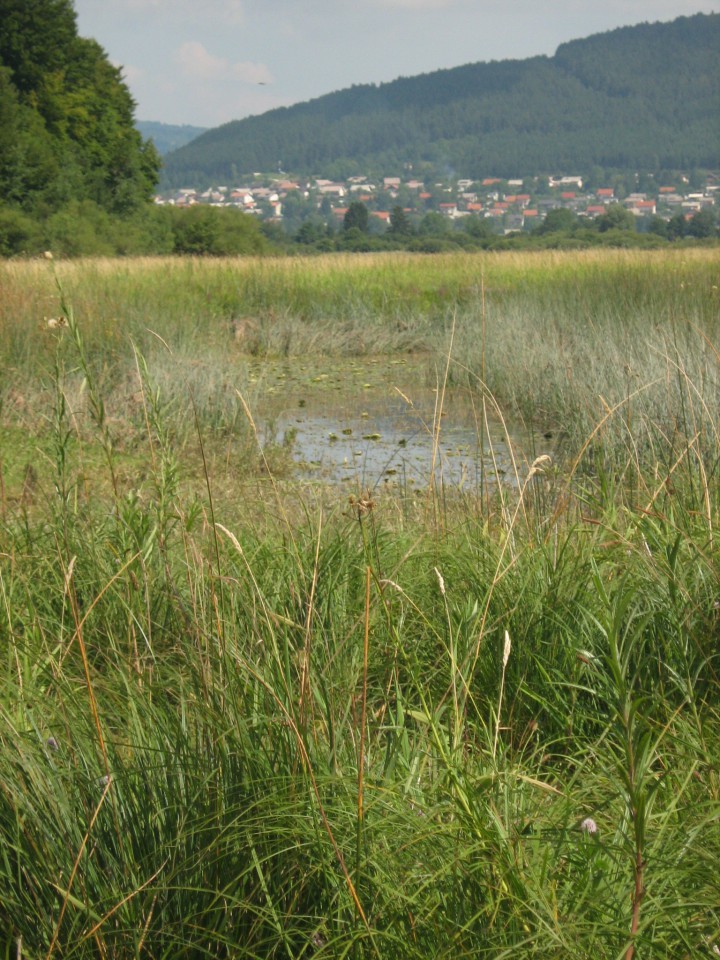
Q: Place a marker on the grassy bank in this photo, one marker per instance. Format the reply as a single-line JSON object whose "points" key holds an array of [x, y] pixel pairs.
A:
{"points": [[242, 717]]}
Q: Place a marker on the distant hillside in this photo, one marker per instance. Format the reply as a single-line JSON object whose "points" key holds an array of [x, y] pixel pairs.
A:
{"points": [[645, 97], [168, 136]]}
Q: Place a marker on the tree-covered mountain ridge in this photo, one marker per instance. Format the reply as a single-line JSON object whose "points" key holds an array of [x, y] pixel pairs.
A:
{"points": [[643, 97]]}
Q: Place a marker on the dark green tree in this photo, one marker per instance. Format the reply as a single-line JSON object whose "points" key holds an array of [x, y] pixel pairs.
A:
{"points": [[558, 220], [616, 217], [356, 217], [66, 107], [28, 155], [677, 227], [434, 225], [478, 227], [400, 225], [703, 224], [18, 233], [657, 226], [310, 233], [36, 40], [202, 230]]}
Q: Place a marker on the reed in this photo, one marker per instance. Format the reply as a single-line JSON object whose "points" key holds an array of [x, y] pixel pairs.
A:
{"points": [[564, 333]]}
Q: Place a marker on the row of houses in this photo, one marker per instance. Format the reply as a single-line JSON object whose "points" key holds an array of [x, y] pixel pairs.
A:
{"points": [[514, 204]]}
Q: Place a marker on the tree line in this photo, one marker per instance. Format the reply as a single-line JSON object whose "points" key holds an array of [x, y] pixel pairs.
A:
{"points": [[360, 232]]}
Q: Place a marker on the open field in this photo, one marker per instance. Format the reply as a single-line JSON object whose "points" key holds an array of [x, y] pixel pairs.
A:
{"points": [[247, 716]]}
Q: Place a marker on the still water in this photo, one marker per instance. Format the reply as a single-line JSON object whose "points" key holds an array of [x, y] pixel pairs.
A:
{"points": [[390, 441], [377, 422]]}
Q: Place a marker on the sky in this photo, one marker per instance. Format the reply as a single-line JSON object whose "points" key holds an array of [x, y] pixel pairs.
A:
{"points": [[206, 62]]}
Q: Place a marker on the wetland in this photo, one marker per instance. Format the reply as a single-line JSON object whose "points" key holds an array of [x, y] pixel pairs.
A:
{"points": [[388, 628]]}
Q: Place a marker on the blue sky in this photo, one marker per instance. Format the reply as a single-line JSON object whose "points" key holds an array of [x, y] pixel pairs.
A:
{"points": [[206, 62]]}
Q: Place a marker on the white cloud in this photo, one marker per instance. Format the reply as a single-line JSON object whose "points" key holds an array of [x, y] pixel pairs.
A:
{"points": [[197, 62]]}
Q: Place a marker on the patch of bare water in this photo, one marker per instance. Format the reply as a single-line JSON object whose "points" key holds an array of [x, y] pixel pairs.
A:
{"points": [[374, 422]]}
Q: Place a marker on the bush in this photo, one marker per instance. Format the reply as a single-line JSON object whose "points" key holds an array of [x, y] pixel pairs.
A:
{"points": [[18, 233], [79, 229], [203, 230]]}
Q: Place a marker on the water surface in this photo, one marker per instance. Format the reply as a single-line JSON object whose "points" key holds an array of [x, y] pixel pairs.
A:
{"points": [[376, 421]]}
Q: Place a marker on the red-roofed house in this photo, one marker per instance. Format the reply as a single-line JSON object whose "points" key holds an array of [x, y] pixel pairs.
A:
{"points": [[645, 207]]}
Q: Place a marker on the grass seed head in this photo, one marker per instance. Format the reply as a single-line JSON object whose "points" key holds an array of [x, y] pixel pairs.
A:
{"points": [[540, 465]]}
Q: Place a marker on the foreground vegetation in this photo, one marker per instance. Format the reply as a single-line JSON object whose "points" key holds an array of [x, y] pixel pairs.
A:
{"points": [[245, 718]]}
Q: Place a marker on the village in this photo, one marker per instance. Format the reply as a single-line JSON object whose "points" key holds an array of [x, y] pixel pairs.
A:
{"points": [[509, 205]]}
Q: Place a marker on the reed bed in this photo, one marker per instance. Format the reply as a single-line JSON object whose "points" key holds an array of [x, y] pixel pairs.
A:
{"points": [[553, 336], [265, 721]]}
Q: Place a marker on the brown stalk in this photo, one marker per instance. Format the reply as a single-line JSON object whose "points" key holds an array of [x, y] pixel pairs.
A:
{"points": [[638, 894]]}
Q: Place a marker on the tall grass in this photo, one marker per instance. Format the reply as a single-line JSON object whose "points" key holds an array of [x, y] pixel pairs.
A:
{"points": [[566, 334], [287, 727]]}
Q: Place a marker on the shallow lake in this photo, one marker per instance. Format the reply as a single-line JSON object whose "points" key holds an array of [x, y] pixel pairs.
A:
{"points": [[375, 422]]}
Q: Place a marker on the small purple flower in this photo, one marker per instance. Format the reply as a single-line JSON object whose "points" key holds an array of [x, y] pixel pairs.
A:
{"points": [[52, 744], [588, 825]]}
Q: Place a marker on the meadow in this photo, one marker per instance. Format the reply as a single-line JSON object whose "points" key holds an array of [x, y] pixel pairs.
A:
{"points": [[245, 715]]}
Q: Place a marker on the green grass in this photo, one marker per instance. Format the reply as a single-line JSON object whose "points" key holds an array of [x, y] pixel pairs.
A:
{"points": [[241, 717], [556, 338]]}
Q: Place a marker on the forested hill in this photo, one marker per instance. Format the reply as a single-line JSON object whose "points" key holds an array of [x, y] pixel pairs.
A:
{"points": [[643, 97]]}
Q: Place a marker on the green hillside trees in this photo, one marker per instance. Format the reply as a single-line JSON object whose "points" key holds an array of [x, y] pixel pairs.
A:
{"points": [[67, 131]]}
